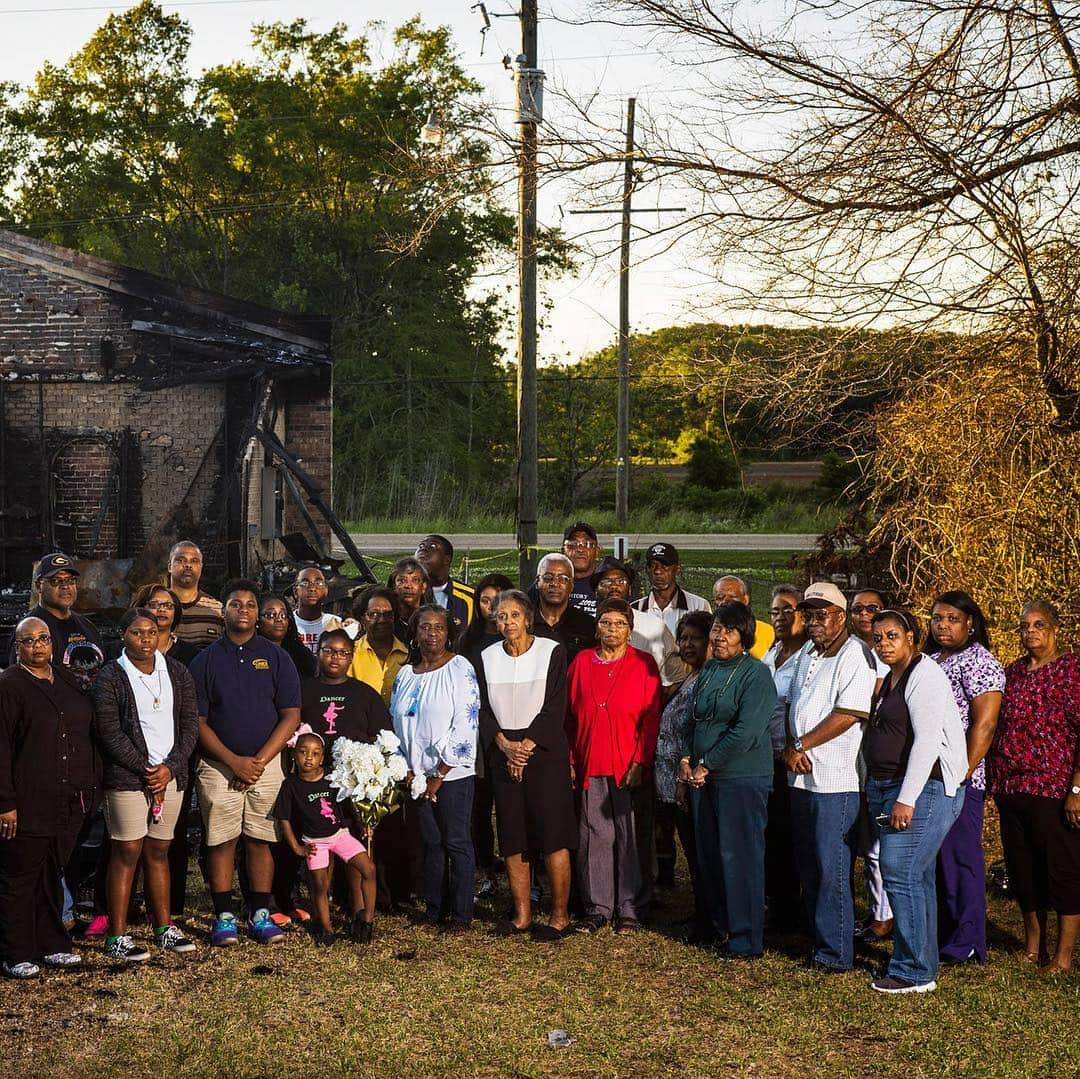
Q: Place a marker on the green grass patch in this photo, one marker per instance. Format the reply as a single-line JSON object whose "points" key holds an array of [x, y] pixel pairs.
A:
{"points": [[414, 1004]]}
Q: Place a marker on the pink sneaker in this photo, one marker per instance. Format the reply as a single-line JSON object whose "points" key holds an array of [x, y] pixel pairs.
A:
{"points": [[97, 929]]}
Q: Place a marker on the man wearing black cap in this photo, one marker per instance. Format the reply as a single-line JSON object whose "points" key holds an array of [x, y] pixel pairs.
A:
{"points": [[76, 643], [582, 547], [666, 598], [616, 580]]}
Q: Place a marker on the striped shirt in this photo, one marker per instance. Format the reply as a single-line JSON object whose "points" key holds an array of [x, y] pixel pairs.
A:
{"points": [[838, 680], [202, 621]]}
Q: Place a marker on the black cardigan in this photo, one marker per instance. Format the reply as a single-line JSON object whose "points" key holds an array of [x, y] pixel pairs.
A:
{"points": [[39, 736], [119, 733]]}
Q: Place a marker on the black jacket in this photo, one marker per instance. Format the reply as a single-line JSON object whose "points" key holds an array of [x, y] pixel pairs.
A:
{"points": [[119, 733], [48, 761]]}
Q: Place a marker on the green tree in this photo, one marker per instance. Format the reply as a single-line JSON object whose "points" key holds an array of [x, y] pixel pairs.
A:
{"points": [[294, 180]]}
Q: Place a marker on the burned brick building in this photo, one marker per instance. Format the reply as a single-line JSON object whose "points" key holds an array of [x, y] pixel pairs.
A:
{"points": [[134, 411]]}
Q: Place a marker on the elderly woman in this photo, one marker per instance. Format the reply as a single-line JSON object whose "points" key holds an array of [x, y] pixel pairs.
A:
{"points": [[164, 604], [672, 803], [612, 721], [790, 641], [960, 645], [728, 763], [435, 708], [147, 722], [1035, 780], [523, 690], [917, 766], [48, 783], [409, 581]]}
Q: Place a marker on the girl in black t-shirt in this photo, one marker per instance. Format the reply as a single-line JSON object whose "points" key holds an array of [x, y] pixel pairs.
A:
{"points": [[315, 825]]}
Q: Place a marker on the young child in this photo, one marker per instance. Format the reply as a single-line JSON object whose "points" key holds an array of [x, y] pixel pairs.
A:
{"points": [[314, 824]]}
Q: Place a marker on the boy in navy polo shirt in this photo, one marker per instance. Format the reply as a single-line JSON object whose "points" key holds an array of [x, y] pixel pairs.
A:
{"points": [[249, 707]]}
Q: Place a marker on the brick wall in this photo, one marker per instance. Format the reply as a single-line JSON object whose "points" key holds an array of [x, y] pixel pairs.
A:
{"points": [[309, 435]]}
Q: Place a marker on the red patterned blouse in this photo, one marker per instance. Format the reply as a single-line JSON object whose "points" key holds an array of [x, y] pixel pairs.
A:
{"points": [[1036, 748]]}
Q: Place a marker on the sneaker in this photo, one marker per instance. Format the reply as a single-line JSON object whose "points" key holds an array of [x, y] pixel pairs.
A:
{"points": [[359, 930], [282, 921], [63, 959], [97, 928], [223, 931], [126, 950], [21, 970], [262, 929], [889, 984], [172, 940]]}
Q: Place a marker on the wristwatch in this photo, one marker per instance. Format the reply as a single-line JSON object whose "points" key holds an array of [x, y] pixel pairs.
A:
{"points": [[797, 745], [1074, 790]]}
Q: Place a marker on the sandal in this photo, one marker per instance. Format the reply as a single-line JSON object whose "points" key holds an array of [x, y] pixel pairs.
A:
{"points": [[548, 934], [506, 928]]}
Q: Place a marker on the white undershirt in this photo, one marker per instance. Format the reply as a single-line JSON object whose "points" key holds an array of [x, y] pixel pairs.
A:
{"points": [[157, 723]]}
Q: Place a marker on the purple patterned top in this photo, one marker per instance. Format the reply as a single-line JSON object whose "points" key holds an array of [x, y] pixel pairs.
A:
{"points": [[972, 672]]}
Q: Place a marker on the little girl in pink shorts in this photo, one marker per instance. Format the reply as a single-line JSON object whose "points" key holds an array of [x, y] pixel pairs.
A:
{"points": [[307, 807]]}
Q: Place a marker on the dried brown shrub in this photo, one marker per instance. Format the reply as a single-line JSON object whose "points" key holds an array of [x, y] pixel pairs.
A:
{"points": [[980, 490]]}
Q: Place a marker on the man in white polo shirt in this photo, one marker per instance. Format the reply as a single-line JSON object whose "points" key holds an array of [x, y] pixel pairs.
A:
{"points": [[828, 702]]}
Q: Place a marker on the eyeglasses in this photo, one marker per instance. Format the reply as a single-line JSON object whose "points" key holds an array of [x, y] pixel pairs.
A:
{"points": [[162, 605], [29, 642], [551, 578], [865, 608], [609, 623], [781, 612], [58, 581], [821, 616], [275, 616], [308, 586], [376, 615], [425, 547], [578, 545], [341, 653]]}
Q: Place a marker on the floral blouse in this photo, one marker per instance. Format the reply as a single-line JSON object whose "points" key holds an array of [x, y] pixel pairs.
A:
{"points": [[1036, 748], [972, 672], [671, 745]]}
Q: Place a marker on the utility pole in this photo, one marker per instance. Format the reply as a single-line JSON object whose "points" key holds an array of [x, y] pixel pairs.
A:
{"points": [[622, 437], [622, 441], [529, 104]]}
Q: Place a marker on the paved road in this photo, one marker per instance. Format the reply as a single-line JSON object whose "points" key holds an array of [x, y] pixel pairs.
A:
{"points": [[392, 542]]}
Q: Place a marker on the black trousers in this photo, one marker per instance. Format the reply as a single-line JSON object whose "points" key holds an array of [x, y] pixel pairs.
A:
{"points": [[671, 821], [483, 826], [1042, 853], [781, 876], [31, 899]]}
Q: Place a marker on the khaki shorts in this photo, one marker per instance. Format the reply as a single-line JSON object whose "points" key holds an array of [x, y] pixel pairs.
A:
{"points": [[128, 817], [226, 813]]}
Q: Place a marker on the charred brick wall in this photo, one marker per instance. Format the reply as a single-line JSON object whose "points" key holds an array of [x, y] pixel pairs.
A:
{"points": [[309, 435]]}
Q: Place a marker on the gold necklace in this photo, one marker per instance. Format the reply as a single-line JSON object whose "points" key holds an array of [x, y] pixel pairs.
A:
{"points": [[700, 691]]}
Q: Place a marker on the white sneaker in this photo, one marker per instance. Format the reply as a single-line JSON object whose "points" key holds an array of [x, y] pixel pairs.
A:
{"points": [[21, 970], [889, 984], [63, 959]]}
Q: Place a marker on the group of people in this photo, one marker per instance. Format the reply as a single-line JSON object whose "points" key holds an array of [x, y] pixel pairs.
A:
{"points": [[589, 732]]}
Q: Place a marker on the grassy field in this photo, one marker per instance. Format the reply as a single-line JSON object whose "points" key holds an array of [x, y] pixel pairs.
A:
{"points": [[416, 1004]]}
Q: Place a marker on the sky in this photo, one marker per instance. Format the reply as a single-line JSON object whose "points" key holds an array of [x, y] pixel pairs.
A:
{"points": [[667, 287]]}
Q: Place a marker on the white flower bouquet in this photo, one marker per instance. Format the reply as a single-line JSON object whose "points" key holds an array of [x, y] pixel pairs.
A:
{"points": [[368, 776]]}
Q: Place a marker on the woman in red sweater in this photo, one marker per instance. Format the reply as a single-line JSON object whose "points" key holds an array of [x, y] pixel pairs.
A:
{"points": [[612, 724]]}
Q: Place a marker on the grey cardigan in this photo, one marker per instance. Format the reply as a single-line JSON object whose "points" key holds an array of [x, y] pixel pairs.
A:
{"points": [[119, 733]]}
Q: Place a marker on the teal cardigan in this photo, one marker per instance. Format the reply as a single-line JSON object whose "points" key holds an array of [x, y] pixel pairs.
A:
{"points": [[729, 730]]}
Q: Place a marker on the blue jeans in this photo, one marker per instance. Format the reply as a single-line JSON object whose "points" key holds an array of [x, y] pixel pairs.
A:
{"points": [[909, 869], [449, 855], [824, 829], [729, 827]]}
